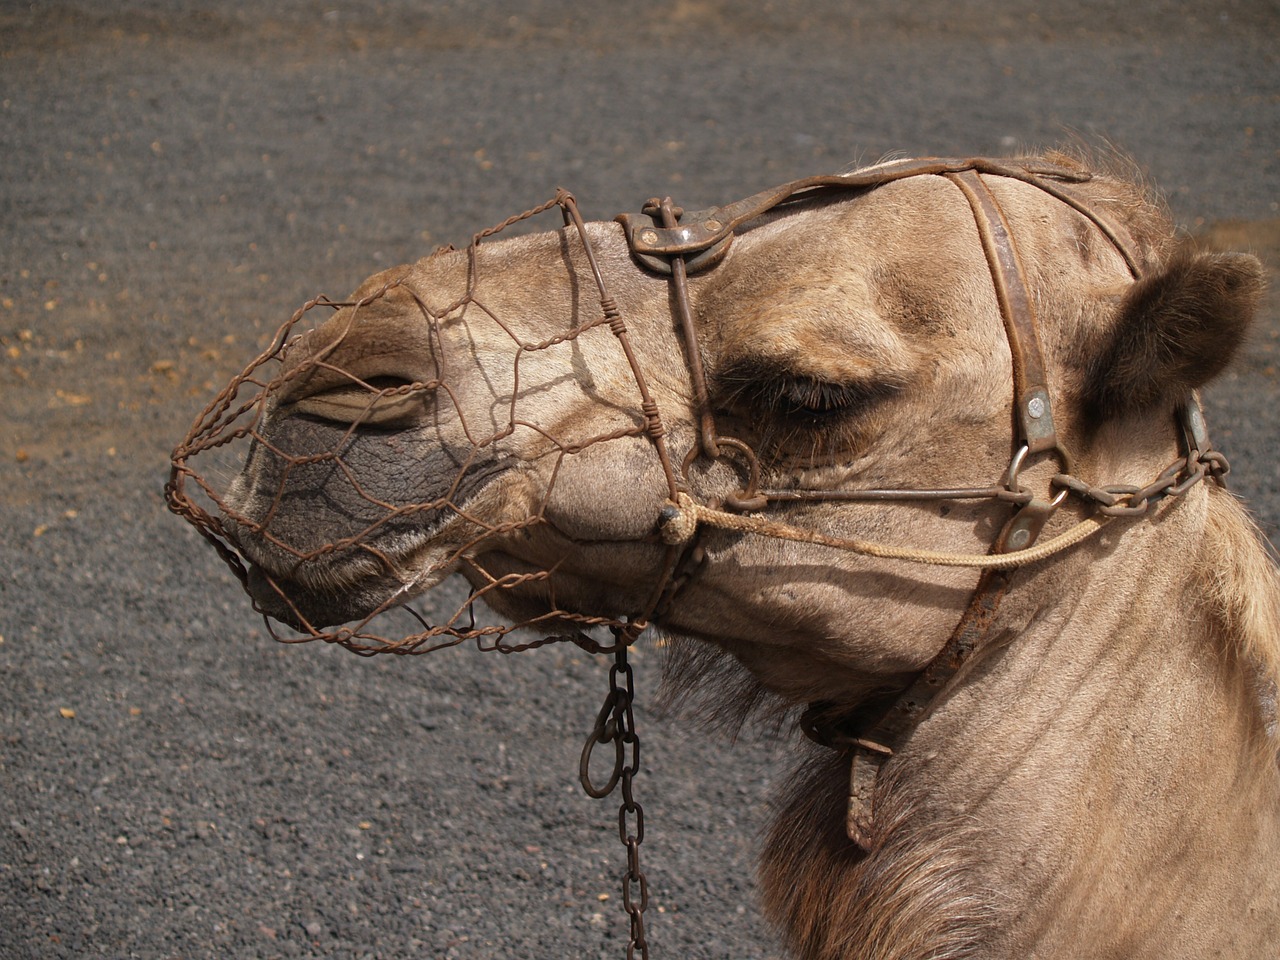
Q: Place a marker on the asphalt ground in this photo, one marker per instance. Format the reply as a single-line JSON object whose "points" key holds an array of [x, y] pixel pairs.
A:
{"points": [[177, 177]]}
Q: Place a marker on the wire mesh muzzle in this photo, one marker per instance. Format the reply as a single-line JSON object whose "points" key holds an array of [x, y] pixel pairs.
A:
{"points": [[303, 504]]}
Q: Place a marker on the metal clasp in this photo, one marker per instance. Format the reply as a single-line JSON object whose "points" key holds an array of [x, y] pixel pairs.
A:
{"points": [[701, 238]]}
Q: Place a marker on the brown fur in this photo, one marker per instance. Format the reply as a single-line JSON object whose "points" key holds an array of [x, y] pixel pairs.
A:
{"points": [[1178, 328], [1243, 588], [917, 897], [921, 893]]}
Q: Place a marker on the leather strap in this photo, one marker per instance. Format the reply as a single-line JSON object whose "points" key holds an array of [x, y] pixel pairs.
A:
{"points": [[1032, 405], [703, 237], [874, 746]]}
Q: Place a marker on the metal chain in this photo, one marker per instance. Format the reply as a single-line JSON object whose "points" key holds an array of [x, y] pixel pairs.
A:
{"points": [[615, 724], [1130, 501]]}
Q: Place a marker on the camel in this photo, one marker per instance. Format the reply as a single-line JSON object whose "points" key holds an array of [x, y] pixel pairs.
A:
{"points": [[914, 453]]}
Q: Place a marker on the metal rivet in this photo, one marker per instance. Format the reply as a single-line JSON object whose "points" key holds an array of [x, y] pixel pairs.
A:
{"points": [[649, 236], [1019, 539], [713, 225], [1035, 407]]}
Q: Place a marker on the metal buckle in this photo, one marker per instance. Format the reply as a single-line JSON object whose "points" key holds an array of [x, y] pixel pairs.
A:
{"points": [[701, 238]]}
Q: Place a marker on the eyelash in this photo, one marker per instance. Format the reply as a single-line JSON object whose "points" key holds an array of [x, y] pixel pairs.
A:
{"points": [[810, 397], [803, 420], [810, 401]]}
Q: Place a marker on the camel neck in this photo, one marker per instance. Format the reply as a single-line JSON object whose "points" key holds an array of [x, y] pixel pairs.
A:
{"points": [[1095, 751]]}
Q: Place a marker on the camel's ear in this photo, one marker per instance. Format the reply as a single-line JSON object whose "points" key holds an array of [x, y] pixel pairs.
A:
{"points": [[1176, 330]]}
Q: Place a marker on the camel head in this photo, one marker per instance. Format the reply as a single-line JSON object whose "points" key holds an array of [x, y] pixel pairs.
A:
{"points": [[523, 412]]}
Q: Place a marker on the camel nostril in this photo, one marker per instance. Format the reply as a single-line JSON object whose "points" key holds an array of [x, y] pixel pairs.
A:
{"points": [[381, 401]]}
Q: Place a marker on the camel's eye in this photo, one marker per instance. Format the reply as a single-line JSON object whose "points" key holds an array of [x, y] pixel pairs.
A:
{"points": [[804, 418], [804, 400], [807, 396]]}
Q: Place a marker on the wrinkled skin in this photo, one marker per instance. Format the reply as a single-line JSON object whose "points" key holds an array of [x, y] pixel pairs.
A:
{"points": [[851, 344]]}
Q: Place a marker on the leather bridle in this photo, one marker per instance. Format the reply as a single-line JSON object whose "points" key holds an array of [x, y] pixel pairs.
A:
{"points": [[665, 240]]}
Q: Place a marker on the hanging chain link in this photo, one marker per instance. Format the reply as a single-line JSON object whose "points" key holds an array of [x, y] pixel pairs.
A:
{"points": [[615, 724]]}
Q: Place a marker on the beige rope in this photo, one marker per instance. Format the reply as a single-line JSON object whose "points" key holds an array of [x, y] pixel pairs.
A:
{"points": [[681, 527]]}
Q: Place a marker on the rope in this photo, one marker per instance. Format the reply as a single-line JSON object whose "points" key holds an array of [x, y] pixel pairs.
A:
{"points": [[681, 519]]}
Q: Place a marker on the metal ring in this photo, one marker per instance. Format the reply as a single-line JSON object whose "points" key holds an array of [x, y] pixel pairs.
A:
{"points": [[1015, 467], [605, 731], [746, 499]]}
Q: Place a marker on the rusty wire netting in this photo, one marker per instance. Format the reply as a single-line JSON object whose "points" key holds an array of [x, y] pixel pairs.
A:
{"points": [[235, 427]]}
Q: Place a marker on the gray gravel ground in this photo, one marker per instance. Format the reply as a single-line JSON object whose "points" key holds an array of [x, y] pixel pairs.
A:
{"points": [[177, 177]]}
